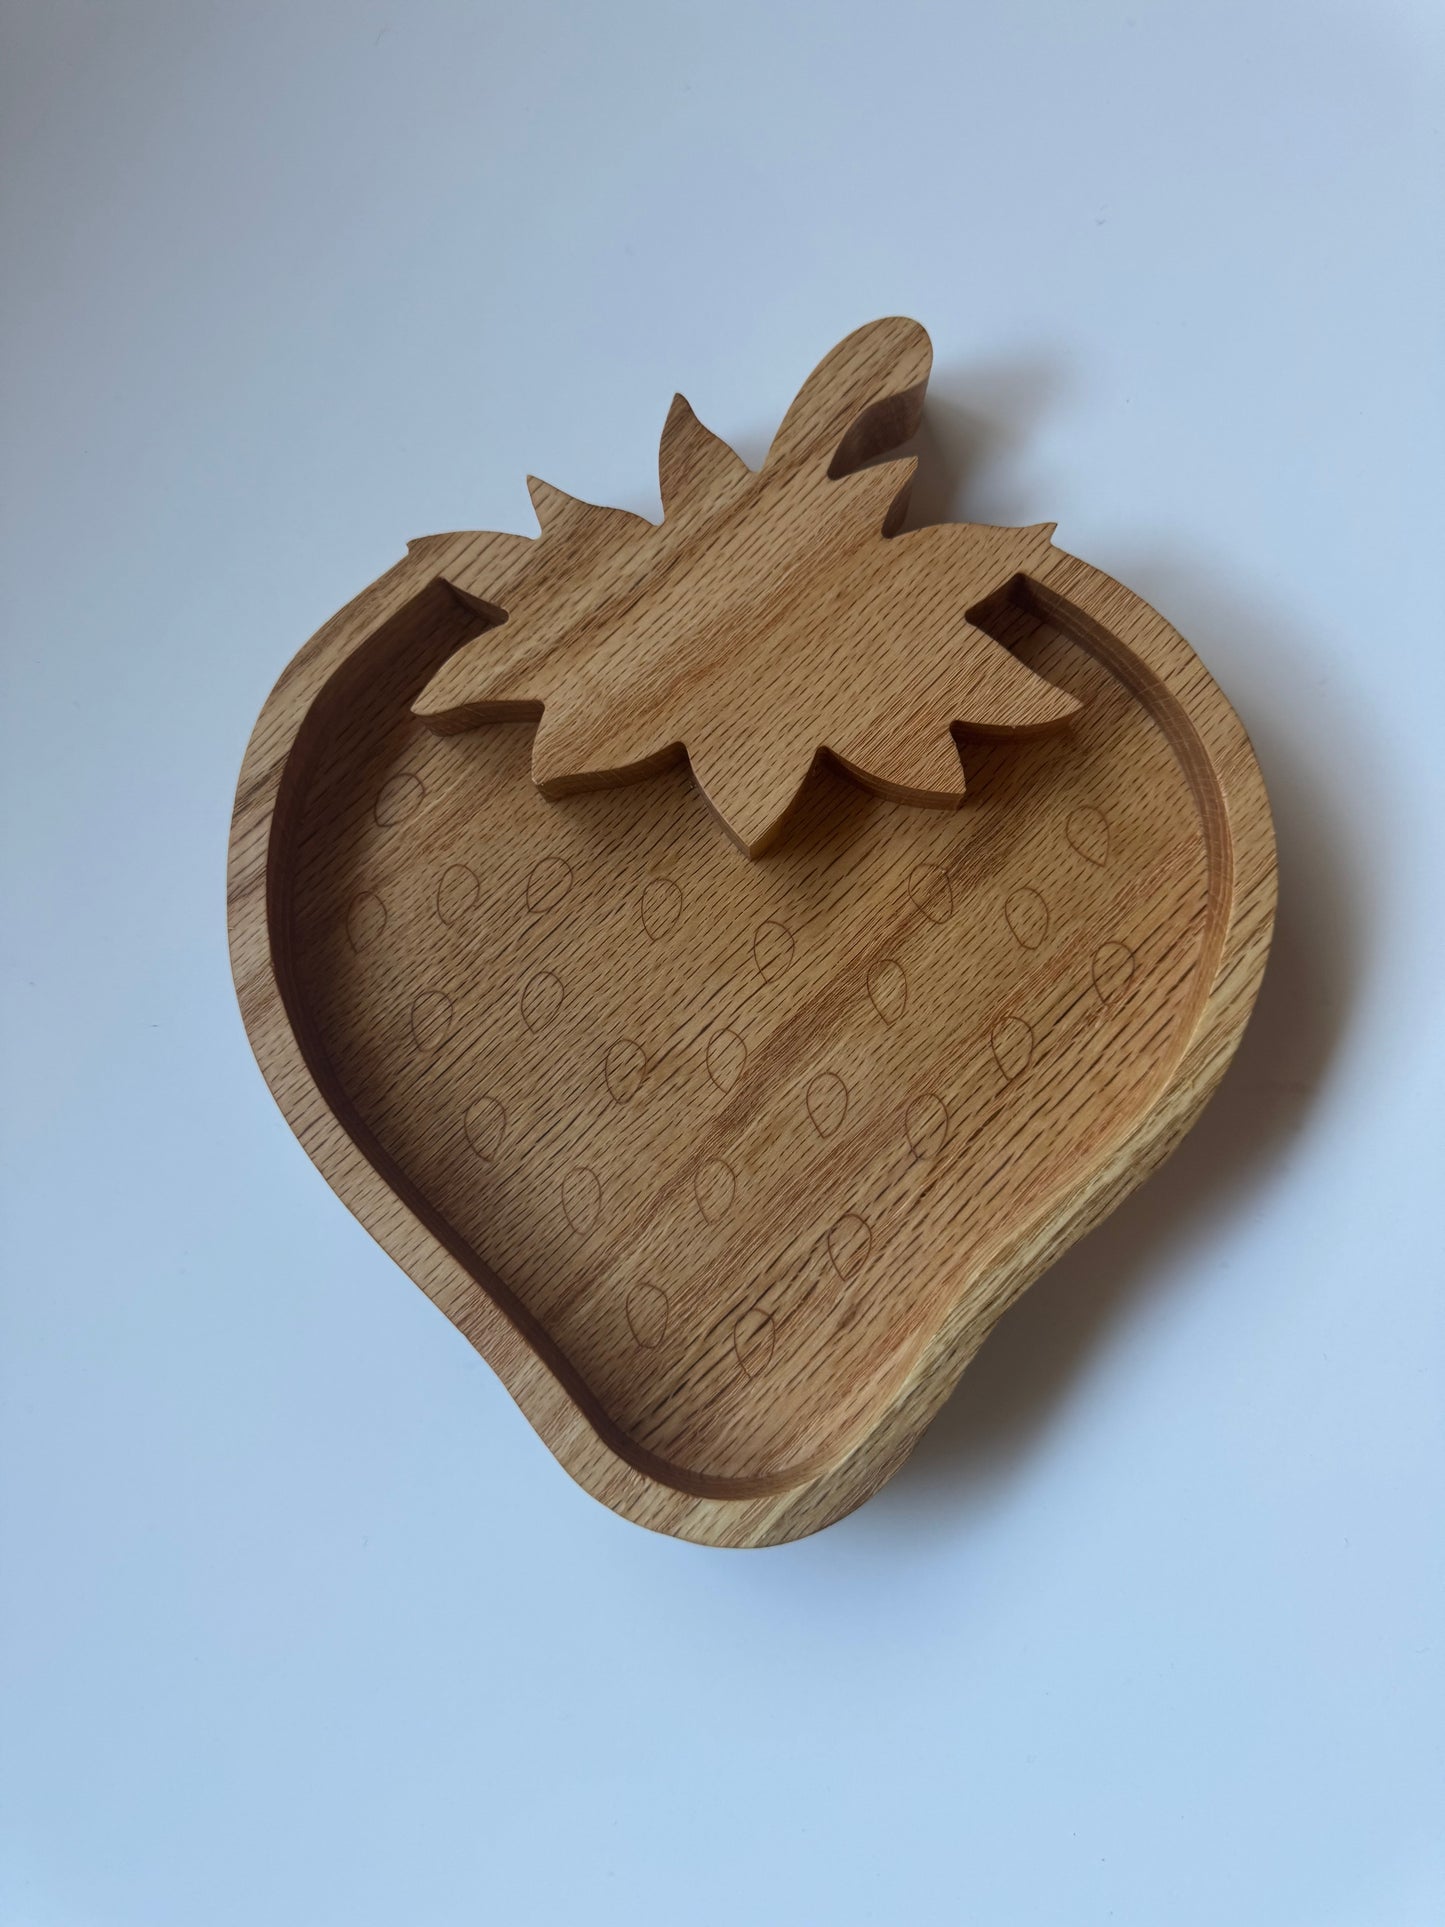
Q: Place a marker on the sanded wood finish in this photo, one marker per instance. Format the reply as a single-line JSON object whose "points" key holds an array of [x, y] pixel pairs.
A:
{"points": [[728, 1166], [767, 620]]}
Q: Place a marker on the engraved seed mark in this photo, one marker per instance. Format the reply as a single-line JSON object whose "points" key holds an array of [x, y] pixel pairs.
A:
{"points": [[625, 1068], [365, 920], [753, 1341], [827, 1099], [398, 797], [714, 1186], [849, 1243], [1088, 832], [581, 1199], [661, 907], [726, 1055], [431, 1019], [647, 1314], [926, 1122], [773, 950], [888, 989], [548, 882], [485, 1123], [456, 893], [932, 892], [1028, 917], [1113, 971], [1013, 1046], [542, 996]]}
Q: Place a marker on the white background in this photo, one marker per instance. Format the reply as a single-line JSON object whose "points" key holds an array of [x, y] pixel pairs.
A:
{"points": [[301, 1624]]}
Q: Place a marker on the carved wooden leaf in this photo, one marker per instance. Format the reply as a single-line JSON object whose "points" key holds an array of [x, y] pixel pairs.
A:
{"points": [[769, 617]]}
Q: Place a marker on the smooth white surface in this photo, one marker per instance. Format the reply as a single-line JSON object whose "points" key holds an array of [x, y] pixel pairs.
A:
{"points": [[301, 1624]]}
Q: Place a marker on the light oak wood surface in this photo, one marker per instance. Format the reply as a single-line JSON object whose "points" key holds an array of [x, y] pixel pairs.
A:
{"points": [[767, 620], [728, 1158]]}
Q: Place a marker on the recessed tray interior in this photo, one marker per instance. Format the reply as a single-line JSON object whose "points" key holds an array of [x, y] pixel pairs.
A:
{"points": [[725, 1138]]}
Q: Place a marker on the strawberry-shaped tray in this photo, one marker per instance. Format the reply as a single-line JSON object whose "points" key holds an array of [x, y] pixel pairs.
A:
{"points": [[725, 961]]}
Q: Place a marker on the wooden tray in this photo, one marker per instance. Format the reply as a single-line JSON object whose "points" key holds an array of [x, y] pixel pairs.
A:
{"points": [[725, 1083]]}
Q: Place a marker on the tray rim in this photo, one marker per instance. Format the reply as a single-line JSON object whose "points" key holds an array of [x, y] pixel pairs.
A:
{"points": [[1219, 761]]}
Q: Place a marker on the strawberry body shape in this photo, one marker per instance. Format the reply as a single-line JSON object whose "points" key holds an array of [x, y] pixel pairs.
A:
{"points": [[728, 1165]]}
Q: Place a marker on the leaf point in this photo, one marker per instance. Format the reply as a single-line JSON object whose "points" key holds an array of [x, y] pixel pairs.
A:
{"points": [[693, 464]]}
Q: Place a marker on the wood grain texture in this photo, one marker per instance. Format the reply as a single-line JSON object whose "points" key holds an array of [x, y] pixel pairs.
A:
{"points": [[770, 619], [727, 1167]]}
